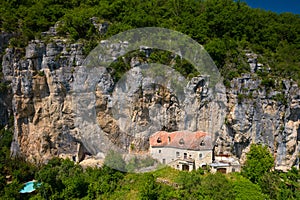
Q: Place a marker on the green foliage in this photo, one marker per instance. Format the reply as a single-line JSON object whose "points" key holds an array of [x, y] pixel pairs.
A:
{"points": [[280, 97], [290, 187], [121, 65], [136, 164], [225, 27], [149, 190], [240, 98], [270, 184], [77, 23], [114, 160], [17, 170], [216, 186], [3, 87], [259, 161], [63, 179], [268, 83], [5, 140], [245, 189], [102, 182], [41, 73], [217, 50]]}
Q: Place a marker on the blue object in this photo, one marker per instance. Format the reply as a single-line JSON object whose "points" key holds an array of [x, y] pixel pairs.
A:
{"points": [[29, 187]]}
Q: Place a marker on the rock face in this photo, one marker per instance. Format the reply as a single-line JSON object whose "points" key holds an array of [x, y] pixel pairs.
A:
{"points": [[43, 81], [5, 93], [258, 115], [42, 108]]}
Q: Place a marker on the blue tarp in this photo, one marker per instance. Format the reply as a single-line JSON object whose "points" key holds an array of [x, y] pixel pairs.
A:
{"points": [[29, 187]]}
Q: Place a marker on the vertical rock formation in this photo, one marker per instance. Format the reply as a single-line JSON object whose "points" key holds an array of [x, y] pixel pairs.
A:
{"points": [[42, 80], [41, 102], [256, 114]]}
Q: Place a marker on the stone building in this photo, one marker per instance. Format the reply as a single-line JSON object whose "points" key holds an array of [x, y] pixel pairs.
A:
{"points": [[182, 150], [225, 163]]}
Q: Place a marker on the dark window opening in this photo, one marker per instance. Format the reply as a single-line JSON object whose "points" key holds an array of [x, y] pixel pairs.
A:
{"points": [[222, 170], [158, 140], [181, 141], [185, 155], [185, 167], [202, 143]]}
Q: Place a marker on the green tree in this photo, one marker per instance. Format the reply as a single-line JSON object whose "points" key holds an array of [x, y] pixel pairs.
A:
{"points": [[149, 188], [290, 187], [271, 184], [103, 181], [216, 186], [259, 161], [245, 189]]}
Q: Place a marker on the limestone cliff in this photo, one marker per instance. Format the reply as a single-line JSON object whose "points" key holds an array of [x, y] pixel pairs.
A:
{"points": [[40, 79], [258, 115], [43, 78]]}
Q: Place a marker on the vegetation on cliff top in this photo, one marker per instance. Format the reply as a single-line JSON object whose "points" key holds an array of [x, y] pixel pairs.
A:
{"points": [[224, 27]]}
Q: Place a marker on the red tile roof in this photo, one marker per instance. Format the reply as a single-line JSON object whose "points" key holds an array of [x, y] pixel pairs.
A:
{"points": [[182, 140]]}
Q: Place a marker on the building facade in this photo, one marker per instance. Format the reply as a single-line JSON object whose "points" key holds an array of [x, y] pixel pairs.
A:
{"points": [[225, 164], [182, 150]]}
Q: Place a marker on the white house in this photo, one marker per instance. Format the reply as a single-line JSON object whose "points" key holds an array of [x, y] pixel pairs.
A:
{"points": [[225, 164], [183, 150]]}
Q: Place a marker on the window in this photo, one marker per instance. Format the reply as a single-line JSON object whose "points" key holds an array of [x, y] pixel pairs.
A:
{"points": [[159, 151], [169, 139], [158, 140], [200, 155], [177, 154], [181, 141], [233, 169], [185, 155], [202, 143], [177, 166], [164, 161]]}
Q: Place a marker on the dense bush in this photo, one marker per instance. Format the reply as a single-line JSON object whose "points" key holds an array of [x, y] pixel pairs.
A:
{"points": [[63, 179]]}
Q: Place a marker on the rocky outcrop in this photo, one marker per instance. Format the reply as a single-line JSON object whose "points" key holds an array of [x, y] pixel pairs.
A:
{"points": [[5, 90], [4, 40], [41, 102], [45, 78], [258, 115]]}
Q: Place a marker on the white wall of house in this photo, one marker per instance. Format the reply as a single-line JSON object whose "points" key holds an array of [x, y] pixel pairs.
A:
{"points": [[227, 169], [167, 155]]}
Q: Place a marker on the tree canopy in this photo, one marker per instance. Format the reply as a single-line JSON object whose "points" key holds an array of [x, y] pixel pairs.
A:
{"points": [[259, 161], [225, 27]]}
